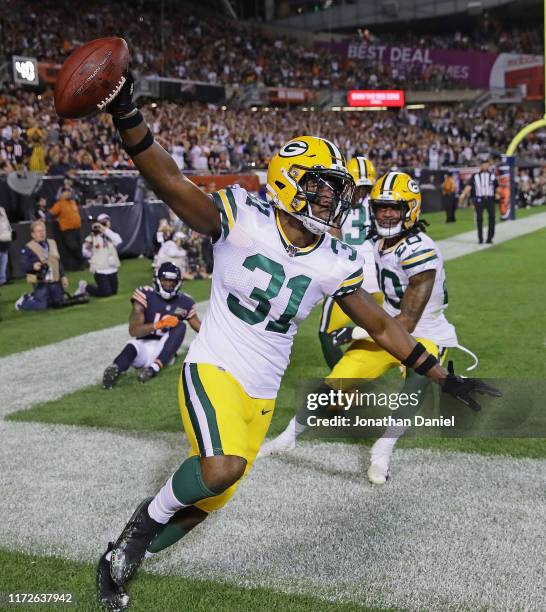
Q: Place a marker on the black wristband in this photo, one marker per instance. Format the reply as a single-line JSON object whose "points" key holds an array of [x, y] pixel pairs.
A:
{"points": [[128, 121], [144, 144], [429, 362], [417, 351]]}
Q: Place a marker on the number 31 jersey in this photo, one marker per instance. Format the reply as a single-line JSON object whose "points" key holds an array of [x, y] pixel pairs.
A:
{"points": [[414, 254], [263, 287]]}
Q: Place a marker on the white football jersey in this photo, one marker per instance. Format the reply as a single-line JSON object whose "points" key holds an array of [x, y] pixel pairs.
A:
{"points": [[411, 255], [262, 289], [354, 232]]}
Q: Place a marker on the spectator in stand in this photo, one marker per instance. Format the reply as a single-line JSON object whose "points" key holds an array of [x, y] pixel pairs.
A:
{"points": [[6, 237], [41, 212], [36, 137], [100, 247], [67, 213]]}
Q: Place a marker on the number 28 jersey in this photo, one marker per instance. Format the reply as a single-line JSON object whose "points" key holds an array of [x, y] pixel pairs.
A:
{"points": [[412, 255], [262, 289]]}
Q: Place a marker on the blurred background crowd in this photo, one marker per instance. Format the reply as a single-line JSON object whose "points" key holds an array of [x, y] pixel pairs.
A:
{"points": [[207, 138]]}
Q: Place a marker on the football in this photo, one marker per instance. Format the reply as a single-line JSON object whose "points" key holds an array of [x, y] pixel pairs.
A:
{"points": [[91, 77]]}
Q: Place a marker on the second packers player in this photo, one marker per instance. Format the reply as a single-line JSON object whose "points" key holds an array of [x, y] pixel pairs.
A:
{"points": [[273, 264], [412, 279], [355, 232]]}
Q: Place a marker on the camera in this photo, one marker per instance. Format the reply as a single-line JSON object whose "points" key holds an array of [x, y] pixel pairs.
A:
{"points": [[42, 272]]}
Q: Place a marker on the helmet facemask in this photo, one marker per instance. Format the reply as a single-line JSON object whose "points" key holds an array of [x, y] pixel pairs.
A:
{"points": [[393, 227], [323, 199], [167, 281]]}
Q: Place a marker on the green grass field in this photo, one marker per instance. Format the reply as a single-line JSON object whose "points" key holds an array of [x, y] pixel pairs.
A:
{"points": [[495, 314], [23, 330], [496, 299], [23, 573]]}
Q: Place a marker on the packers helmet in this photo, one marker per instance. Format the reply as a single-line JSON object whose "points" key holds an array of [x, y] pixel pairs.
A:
{"points": [[364, 174], [306, 171], [399, 191]]}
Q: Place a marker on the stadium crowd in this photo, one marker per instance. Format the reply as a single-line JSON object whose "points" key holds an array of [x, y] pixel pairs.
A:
{"points": [[212, 139], [218, 50]]}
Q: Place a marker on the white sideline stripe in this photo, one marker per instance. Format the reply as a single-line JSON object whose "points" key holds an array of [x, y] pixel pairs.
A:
{"points": [[464, 244], [449, 532], [49, 372]]}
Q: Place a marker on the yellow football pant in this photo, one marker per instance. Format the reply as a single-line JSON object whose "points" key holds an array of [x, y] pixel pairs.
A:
{"points": [[220, 418], [333, 317], [365, 359]]}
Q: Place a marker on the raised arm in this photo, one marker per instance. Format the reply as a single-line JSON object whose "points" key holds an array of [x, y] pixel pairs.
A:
{"points": [[187, 200]]}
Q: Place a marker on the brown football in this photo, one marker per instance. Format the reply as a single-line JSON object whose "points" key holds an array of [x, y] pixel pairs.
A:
{"points": [[91, 77]]}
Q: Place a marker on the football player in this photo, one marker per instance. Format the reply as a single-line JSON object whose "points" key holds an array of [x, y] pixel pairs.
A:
{"points": [[354, 232], [412, 278], [273, 262], [157, 324]]}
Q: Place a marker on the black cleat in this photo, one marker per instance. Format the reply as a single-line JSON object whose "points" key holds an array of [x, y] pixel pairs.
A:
{"points": [[109, 595], [145, 374], [110, 376], [130, 547]]}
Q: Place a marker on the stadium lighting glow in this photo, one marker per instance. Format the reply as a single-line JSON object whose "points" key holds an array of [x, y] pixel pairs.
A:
{"points": [[223, 108], [154, 104], [415, 106], [254, 109]]}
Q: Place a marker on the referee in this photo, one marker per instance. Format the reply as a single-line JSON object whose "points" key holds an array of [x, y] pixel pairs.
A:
{"points": [[483, 191]]}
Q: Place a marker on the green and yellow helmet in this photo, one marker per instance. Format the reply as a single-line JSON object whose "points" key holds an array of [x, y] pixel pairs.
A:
{"points": [[362, 170], [296, 173], [400, 191], [364, 174]]}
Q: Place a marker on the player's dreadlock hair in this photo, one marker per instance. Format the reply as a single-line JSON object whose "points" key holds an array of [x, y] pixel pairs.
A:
{"points": [[420, 226]]}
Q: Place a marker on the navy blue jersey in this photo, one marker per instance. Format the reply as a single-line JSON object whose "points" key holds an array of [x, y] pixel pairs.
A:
{"points": [[156, 307]]}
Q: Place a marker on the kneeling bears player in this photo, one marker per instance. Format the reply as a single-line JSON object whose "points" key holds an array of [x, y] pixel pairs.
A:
{"points": [[157, 323]]}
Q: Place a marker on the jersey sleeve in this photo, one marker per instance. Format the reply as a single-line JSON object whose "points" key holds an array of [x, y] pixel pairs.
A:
{"points": [[139, 296], [225, 201], [421, 260], [188, 304], [349, 284]]}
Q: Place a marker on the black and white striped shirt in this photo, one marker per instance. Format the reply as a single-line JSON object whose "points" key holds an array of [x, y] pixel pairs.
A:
{"points": [[484, 184]]}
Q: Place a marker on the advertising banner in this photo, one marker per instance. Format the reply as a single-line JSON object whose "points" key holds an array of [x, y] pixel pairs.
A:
{"points": [[473, 69], [375, 97]]}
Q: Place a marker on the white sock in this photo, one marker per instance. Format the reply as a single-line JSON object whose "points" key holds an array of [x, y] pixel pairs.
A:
{"points": [[298, 427], [387, 442], [149, 555], [108, 555], [164, 504]]}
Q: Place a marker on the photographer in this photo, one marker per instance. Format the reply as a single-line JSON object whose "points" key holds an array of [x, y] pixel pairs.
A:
{"points": [[42, 263], [100, 248]]}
